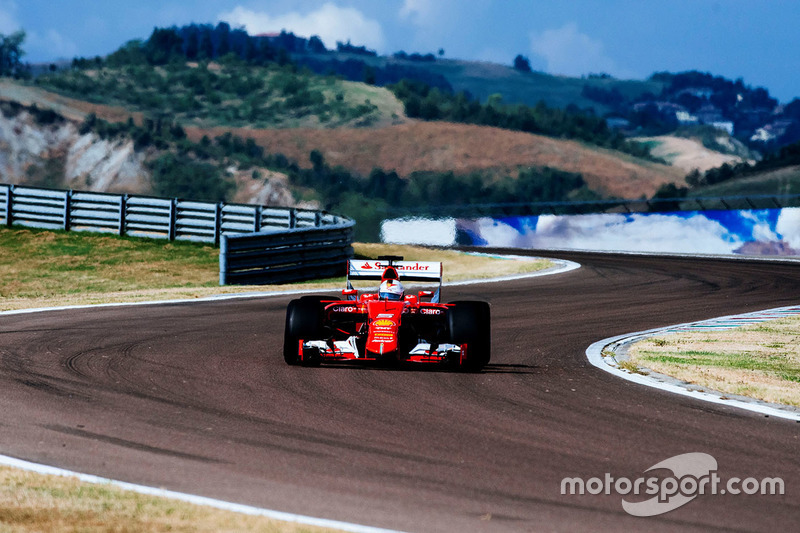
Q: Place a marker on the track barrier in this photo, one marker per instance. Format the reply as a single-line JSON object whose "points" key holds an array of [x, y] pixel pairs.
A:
{"points": [[288, 244]]}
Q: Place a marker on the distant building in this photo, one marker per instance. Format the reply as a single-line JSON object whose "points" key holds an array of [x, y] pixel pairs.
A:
{"points": [[763, 135], [669, 108], [724, 125], [771, 132], [618, 123], [685, 118], [752, 119], [668, 111]]}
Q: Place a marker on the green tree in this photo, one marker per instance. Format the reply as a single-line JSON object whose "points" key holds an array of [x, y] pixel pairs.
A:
{"points": [[163, 46], [522, 64], [369, 75], [11, 53], [668, 197], [367, 212], [316, 45], [179, 176], [206, 48]]}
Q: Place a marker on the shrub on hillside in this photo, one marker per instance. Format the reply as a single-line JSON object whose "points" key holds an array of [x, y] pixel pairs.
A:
{"points": [[182, 177]]}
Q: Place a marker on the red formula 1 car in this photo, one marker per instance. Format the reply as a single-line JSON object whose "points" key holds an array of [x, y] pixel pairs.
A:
{"points": [[388, 325]]}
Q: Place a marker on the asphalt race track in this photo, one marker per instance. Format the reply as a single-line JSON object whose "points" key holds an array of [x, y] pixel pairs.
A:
{"points": [[196, 398]]}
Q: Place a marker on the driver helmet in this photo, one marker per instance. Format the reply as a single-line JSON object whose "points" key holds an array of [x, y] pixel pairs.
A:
{"points": [[391, 289]]}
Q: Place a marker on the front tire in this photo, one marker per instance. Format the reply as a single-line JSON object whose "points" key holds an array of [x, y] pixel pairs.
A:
{"points": [[469, 323], [303, 322]]}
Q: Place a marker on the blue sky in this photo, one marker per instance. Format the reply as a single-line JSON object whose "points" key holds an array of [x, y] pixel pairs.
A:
{"points": [[757, 40]]}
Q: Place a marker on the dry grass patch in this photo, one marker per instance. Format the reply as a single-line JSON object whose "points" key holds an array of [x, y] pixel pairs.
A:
{"points": [[36, 264], [761, 361], [687, 154], [462, 148], [31, 502]]}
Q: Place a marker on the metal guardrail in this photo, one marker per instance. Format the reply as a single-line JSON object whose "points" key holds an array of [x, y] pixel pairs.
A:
{"points": [[285, 256], [145, 216], [177, 219]]}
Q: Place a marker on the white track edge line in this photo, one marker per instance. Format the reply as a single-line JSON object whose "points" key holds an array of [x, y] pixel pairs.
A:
{"points": [[196, 500], [595, 355]]}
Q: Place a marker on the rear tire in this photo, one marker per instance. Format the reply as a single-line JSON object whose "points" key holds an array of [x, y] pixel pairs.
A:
{"points": [[303, 322], [469, 322]]}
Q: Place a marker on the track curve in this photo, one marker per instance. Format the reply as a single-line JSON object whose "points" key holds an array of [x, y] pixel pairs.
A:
{"points": [[196, 398]]}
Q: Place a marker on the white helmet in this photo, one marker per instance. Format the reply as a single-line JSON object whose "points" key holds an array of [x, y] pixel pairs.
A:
{"points": [[391, 289]]}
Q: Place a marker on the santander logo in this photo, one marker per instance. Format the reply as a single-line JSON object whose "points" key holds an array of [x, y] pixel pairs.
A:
{"points": [[415, 266], [405, 266]]}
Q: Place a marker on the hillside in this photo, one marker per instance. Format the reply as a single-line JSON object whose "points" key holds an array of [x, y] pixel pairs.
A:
{"points": [[405, 148], [656, 106], [461, 148], [482, 79], [229, 93]]}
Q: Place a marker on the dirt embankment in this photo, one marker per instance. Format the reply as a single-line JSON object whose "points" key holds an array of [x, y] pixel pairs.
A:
{"points": [[58, 155], [443, 146]]}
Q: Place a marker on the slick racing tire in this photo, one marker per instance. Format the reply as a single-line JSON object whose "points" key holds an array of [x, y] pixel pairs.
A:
{"points": [[469, 322], [303, 322]]}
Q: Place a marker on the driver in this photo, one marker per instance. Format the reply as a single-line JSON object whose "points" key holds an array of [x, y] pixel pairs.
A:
{"points": [[391, 288]]}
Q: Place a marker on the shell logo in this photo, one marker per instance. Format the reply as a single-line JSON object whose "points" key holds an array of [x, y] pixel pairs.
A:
{"points": [[383, 322]]}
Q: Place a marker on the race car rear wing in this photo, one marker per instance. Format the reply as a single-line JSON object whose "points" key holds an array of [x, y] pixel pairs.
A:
{"points": [[372, 269]]}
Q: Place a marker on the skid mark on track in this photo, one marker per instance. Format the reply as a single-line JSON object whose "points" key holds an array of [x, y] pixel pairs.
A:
{"points": [[44, 386], [75, 432]]}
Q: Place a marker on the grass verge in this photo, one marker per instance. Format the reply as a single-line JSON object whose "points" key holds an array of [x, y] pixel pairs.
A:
{"points": [[49, 268], [31, 502], [761, 361]]}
